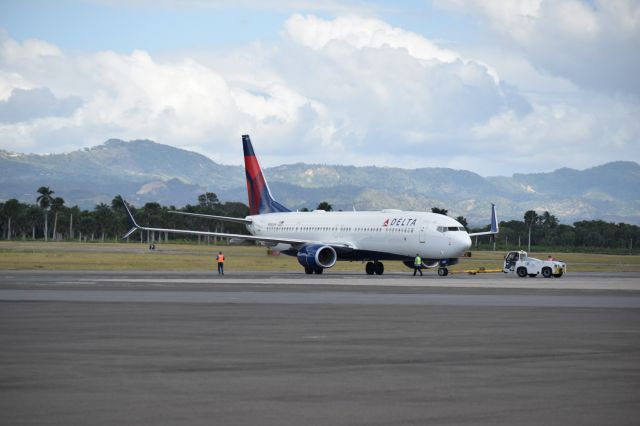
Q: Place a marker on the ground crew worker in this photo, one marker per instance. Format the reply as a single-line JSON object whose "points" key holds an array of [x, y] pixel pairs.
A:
{"points": [[220, 260], [417, 265]]}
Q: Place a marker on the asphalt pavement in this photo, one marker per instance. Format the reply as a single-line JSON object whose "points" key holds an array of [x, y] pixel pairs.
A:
{"points": [[286, 349]]}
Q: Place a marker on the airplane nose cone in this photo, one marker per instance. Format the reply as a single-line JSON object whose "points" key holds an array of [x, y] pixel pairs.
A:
{"points": [[463, 243], [467, 242]]}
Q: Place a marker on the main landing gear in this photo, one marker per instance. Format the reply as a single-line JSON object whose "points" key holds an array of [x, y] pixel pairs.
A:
{"points": [[443, 272], [374, 268]]}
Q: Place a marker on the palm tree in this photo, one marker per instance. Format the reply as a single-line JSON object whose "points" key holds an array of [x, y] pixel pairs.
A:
{"points": [[11, 209], [73, 210], [44, 201], [324, 206], [117, 202], [531, 218], [462, 220], [120, 220], [438, 210], [549, 220], [104, 219], [32, 217], [208, 200], [56, 205]]}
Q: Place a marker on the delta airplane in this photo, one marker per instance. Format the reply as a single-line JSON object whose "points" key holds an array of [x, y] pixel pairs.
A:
{"points": [[319, 238]]}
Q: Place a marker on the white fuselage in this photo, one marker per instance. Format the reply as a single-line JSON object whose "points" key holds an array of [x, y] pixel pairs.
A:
{"points": [[377, 235]]}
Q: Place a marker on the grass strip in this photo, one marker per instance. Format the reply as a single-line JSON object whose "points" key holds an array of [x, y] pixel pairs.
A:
{"points": [[30, 255]]}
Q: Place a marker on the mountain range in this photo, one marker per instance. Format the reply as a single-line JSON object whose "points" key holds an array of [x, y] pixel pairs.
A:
{"points": [[143, 171]]}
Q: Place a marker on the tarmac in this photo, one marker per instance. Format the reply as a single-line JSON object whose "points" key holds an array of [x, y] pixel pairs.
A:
{"points": [[265, 348]]}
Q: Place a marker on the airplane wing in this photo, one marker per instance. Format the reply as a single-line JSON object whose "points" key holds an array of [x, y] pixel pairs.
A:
{"points": [[292, 241], [494, 224], [210, 216]]}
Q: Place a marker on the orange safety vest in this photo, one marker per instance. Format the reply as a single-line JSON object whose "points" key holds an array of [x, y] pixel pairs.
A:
{"points": [[220, 258]]}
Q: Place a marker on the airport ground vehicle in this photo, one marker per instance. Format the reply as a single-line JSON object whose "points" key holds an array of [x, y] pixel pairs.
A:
{"points": [[523, 265]]}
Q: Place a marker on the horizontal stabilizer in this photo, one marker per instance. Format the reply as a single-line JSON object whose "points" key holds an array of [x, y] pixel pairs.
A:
{"points": [[128, 234]]}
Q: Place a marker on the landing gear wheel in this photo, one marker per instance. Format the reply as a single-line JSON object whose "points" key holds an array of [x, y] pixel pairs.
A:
{"points": [[522, 272], [546, 272], [318, 271], [379, 268], [369, 268], [308, 270], [443, 272]]}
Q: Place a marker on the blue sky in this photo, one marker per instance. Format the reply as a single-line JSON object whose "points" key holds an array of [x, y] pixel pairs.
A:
{"points": [[87, 27], [90, 26], [492, 87]]}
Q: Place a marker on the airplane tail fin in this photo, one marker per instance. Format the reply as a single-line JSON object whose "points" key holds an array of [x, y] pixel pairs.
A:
{"points": [[260, 199]]}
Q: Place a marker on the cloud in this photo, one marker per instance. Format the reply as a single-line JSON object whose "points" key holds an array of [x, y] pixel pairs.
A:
{"points": [[388, 93], [358, 32], [588, 131], [25, 105], [592, 44], [10, 81], [180, 102], [348, 90], [28, 52]]}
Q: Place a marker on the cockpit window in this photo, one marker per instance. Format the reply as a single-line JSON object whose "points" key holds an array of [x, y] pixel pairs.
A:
{"points": [[450, 228]]}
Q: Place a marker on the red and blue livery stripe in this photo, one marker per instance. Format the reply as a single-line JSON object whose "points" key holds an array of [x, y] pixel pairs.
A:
{"points": [[260, 199]]}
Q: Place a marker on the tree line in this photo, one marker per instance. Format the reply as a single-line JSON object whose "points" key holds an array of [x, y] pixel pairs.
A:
{"points": [[545, 230], [50, 219]]}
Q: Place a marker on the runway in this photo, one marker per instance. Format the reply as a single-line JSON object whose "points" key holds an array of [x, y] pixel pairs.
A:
{"points": [[261, 348]]}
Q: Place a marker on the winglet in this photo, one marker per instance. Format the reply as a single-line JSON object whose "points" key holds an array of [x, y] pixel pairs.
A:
{"points": [[494, 220], [132, 221], [494, 224]]}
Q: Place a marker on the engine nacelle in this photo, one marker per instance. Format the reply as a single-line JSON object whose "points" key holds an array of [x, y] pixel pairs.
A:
{"points": [[317, 256]]}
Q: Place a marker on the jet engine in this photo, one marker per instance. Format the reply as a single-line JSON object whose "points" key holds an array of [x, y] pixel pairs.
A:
{"points": [[316, 256]]}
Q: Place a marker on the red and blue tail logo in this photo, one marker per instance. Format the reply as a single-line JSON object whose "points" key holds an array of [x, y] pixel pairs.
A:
{"points": [[260, 199]]}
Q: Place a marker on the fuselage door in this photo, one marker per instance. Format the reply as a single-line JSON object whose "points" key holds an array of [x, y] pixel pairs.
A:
{"points": [[421, 237]]}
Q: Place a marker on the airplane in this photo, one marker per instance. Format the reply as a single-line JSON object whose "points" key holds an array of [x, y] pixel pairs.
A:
{"points": [[319, 238]]}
